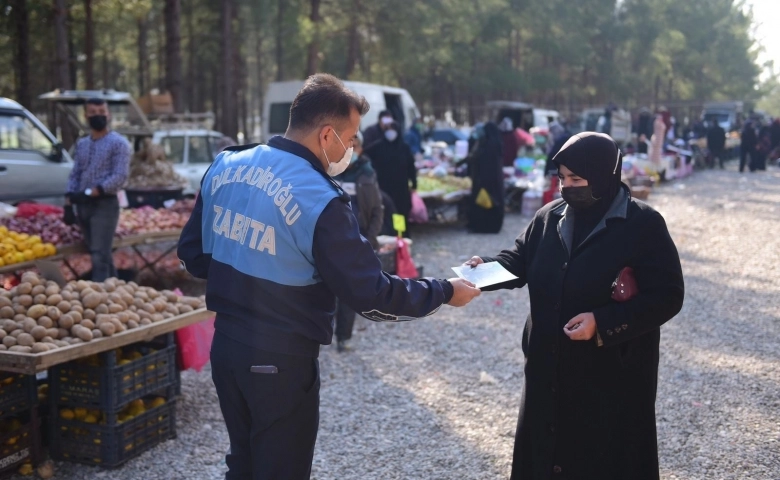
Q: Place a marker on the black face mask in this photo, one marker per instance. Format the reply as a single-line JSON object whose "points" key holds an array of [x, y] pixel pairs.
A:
{"points": [[578, 198], [97, 122]]}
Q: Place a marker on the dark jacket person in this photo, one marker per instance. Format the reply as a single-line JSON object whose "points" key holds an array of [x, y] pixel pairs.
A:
{"points": [[486, 172], [393, 162], [588, 405]]}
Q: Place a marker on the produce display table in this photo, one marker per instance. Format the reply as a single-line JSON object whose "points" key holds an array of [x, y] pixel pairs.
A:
{"points": [[132, 241], [30, 364], [439, 203]]}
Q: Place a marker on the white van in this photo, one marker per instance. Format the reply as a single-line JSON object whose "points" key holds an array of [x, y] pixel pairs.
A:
{"points": [[280, 95]]}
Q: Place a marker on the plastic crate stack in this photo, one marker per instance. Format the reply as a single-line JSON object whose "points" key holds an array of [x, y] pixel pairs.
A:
{"points": [[20, 440], [111, 407]]}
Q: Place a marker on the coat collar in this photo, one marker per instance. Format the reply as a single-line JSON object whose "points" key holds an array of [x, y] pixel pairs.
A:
{"points": [[618, 209]]}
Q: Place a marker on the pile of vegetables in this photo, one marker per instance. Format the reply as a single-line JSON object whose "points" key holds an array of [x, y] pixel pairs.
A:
{"points": [[37, 316], [149, 169], [49, 227], [147, 219], [447, 184]]}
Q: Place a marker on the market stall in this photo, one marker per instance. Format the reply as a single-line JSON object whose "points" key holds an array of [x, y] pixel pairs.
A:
{"points": [[443, 195]]}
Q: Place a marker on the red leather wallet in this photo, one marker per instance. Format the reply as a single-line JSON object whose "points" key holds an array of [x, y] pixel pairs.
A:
{"points": [[624, 288]]}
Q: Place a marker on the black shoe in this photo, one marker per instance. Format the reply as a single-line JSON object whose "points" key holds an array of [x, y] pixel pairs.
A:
{"points": [[344, 346]]}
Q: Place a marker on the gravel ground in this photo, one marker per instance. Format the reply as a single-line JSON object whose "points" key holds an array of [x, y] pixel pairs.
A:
{"points": [[438, 398]]}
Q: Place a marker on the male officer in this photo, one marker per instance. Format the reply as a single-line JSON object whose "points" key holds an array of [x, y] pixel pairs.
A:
{"points": [[277, 241]]}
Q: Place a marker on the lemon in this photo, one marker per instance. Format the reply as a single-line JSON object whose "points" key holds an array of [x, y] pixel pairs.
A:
{"points": [[159, 401], [67, 414], [90, 419], [80, 413], [34, 239], [26, 469]]}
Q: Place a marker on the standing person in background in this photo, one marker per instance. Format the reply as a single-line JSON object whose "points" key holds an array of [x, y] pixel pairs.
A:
{"points": [[485, 170], [644, 130], [561, 137], [747, 147], [100, 170], [775, 133], [373, 134], [716, 141], [359, 181], [394, 165], [413, 137], [763, 146], [510, 140], [657, 140]]}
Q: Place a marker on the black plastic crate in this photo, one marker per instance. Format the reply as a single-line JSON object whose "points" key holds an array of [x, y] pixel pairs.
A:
{"points": [[19, 445], [112, 445], [388, 261], [17, 393], [110, 387]]}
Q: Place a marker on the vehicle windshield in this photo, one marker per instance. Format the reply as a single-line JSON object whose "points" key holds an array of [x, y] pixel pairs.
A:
{"points": [[19, 133], [200, 150], [174, 149]]}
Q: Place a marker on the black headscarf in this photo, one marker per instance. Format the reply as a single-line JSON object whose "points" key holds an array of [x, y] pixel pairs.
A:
{"points": [[596, 158]]}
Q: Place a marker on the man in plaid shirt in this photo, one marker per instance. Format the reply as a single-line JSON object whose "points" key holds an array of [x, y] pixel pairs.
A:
{"points": [[101, 167]]}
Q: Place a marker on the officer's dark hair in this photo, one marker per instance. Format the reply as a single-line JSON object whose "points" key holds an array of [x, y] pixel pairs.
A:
{"points": [[323, 99]]}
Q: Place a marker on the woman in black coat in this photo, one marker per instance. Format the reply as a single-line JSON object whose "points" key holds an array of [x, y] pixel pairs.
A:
{"points": [[393, 162], [486, 172], [591, 370]]}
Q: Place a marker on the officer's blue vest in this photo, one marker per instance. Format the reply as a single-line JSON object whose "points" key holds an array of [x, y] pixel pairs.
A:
{"points": [[260, 209]]}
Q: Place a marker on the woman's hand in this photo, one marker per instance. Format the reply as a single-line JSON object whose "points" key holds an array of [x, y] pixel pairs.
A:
{"points": [[581, 327], [473, 262]]}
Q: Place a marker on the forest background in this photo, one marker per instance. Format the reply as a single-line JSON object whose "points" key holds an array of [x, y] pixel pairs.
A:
{"points": [[452, 55]]}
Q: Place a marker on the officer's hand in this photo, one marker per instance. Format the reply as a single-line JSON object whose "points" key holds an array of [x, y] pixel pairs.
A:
{"points": [[464, 292], [473, 262]]}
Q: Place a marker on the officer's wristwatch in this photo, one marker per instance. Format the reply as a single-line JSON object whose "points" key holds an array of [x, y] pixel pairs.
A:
{"points": [[88, 192]]}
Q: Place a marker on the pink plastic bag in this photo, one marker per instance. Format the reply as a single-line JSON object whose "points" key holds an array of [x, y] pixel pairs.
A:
{"points": [[404, 266], [194, 343], [419, 212]]}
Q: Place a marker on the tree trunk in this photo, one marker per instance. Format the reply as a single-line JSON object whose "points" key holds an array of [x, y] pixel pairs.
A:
{"points": [[21, 20], [89, 46], [281, 4], [229, 124], [189, 84], [172, 14], [353, 42], [62, 75], [143, 54], [160, 55], [313, 61], [72, 63]]}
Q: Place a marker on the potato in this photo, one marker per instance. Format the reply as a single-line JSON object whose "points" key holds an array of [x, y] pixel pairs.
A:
{"points": [[53, 300], [20, 309], [21, 349], [37, 290], [9, 325], [132, 308], [52, 290], [83, 333], [159, 306], [77, 317], [19, 317], [67, 295], [9, 341], [115, 308], [62, 333], [183, 308], [88, 324], [170, 296], [47, 339], [123, 316], [89, 314], [145, 321], [76, 308], [107, 329], [40, 348], [25, 300], [25, 339], [40, 299], [153, 293], [36, 311], [102, 308], [144, 314], [66, 321], [46, 322], [53, 313], [38, 333], [132, 324], [63, 306], [2, 334], [28, 324], [24, 288], [96, 333], [191, 301], [166, 315], [170, 308], [5, 301], [7, 312], [53, 333], [62, 343], [74, 341], [3, 347], [148, 307], [92, 300]]}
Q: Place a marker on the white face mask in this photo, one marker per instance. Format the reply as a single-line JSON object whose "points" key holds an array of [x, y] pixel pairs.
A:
{"points": [[337, 168], [391, 135]]}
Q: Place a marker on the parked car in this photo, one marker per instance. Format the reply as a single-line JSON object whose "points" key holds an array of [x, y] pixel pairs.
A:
{"points": [[279, 97], [33, 164], [447, 135]]}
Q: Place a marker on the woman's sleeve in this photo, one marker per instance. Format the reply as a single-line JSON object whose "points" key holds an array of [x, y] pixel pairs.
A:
{"points": [[513, 260], [660, 289]]}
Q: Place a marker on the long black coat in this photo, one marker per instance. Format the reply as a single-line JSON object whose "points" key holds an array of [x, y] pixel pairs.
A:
{"points": [[588, 411], [394, 166]]}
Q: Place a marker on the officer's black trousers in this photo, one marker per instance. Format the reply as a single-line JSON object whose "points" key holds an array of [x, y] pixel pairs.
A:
{"points": [[272, 419]]}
